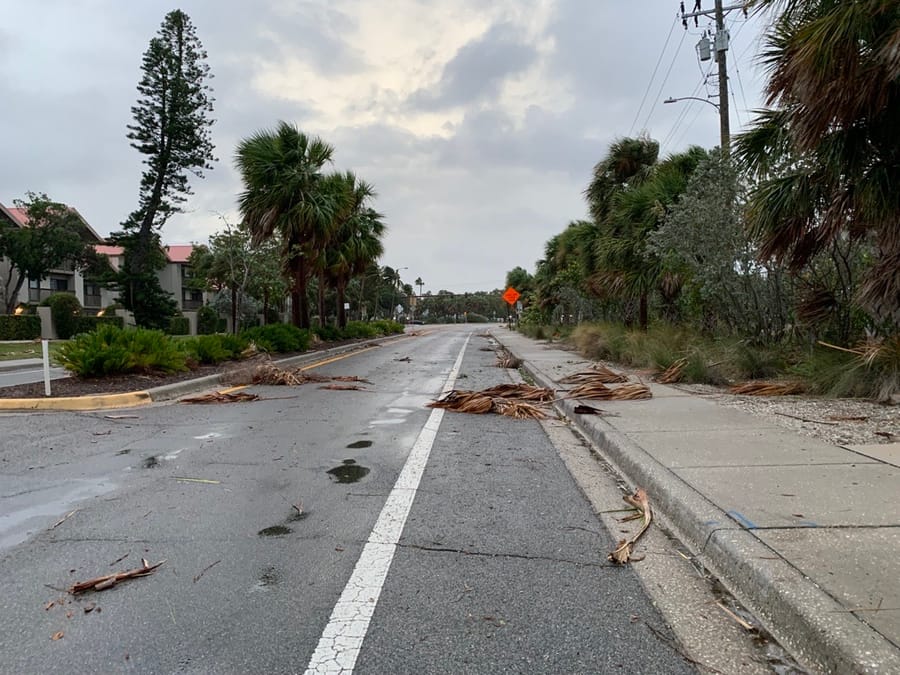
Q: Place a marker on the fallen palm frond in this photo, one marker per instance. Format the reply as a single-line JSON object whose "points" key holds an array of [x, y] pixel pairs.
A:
{"points": [[600, 392], [523, 391], [481, 402], [673, 373], [222, 397], [580, 377], [507, 360], [519, 409], [462, 400], [485, 349], [623, 552], [767, 388], [349, 378], [609, 376], [588, 410], [110, 580]]}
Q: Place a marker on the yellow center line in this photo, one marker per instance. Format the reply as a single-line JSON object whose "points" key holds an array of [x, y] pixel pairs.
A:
{"points": [[337, 358]]}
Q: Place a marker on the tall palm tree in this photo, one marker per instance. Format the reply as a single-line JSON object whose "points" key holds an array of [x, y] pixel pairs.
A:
{"points": [[827, 153], [282, 174]]}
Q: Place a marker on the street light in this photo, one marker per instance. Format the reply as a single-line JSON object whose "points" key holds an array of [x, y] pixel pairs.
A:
{"points": [[672, 99]]}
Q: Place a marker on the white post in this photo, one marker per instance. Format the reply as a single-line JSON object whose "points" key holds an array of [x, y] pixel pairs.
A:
{"points": [[45, 349]]}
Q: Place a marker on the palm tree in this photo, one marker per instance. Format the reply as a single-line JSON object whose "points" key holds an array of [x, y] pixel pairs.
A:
{"points": [[283, 194], [826, 154]]}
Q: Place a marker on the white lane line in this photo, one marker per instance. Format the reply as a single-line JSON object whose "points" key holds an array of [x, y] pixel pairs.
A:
{"points": [[343, 636]]}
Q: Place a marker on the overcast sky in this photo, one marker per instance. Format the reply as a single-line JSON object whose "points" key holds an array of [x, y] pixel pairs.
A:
{"points": [[477, 121]]}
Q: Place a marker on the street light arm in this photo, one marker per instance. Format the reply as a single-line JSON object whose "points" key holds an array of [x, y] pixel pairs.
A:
{"points": [[691, 98]]}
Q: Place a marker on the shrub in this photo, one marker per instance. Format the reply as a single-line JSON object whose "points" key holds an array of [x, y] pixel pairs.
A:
{"points": [[21, 327], [214, 349], [328, 333], [355, 330], [278, 337], [86, 324], [64, 309], [388, 327], [179, 325], [207, 320], [871, 370], [110, 350]]}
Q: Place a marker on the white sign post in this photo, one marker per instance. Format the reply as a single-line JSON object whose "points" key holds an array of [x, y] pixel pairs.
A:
{"points": [[45, 349]]}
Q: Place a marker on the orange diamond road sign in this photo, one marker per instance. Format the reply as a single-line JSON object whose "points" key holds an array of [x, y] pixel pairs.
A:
{"points": [[511, 295]]}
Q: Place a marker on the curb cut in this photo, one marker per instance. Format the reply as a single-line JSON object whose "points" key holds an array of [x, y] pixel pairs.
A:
{"points": [[792, 608], [168, 392]]}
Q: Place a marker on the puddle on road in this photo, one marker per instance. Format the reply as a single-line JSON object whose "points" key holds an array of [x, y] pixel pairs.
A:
{"points": [[348, 472], [360, 444], [275, 531], [270, 576], [151, 462]]}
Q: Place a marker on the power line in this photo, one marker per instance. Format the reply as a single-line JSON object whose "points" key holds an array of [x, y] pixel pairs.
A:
{"points": [[653, 76], [665, 79]]}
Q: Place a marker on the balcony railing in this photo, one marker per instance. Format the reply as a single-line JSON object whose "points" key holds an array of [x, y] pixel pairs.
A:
{"points": [[191, 305], [92, 302], [41, 294]]}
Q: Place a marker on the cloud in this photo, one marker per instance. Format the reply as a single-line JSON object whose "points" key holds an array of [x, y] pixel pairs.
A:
{"points": [[478, 70]]}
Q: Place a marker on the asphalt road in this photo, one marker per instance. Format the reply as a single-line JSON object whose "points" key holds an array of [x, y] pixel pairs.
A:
{"points": [[8, 378], [427, 542]]}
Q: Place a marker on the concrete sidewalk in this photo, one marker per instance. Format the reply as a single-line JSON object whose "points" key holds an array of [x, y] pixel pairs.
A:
{"points": [[805, 534]]}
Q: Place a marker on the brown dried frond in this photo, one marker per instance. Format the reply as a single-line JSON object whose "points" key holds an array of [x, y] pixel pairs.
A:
{"points": [[461, 400], [767, 388], [507, 360], [630, 392], [350, 378], [523, 391], [608, 376], [673, 373], [578, 378], [596, 390], [519, 409]]}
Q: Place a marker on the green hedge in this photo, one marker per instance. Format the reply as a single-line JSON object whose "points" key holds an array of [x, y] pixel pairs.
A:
{"points": [[215, 348], [179, 325], [115, 351], [278, 337], [86, 324], [65, 310], [22, 327]]}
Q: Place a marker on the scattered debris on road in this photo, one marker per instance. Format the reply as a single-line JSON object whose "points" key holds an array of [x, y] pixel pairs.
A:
{"points": [[523, 391], [106, 581], [582, 409], [205, 570], [507, 360], [480, 402], [343, 387], [122, 417], [623, 553], [222, 397], [206, 481], [405, 359], [64, 519], [57, 636]]}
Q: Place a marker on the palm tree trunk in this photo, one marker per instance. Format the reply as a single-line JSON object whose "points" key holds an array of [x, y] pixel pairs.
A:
{"points": [[321, 297], [299, 301], [234, 327], [340, 288], [643, 319]]}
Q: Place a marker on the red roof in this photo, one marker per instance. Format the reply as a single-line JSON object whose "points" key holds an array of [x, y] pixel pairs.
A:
{"points": [[19, 214], [109, 250], [179, 253]]}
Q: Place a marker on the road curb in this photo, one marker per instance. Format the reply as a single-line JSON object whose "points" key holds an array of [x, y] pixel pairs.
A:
{"points": [[800, 615], [168, 392]]}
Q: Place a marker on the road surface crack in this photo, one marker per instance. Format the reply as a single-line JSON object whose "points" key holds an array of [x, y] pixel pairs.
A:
{"points": [[519, 556]]}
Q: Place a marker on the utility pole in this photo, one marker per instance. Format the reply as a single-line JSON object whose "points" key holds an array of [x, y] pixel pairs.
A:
{"points": [[720, 46]]}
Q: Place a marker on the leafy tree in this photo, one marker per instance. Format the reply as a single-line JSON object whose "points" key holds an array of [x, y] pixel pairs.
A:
{"points": [[54, 236], [172, 130], [520, 279], [827, 152], [283, 195]]}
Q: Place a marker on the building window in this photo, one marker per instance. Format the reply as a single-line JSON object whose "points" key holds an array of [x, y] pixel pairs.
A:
{"points": [[58, 284]]}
